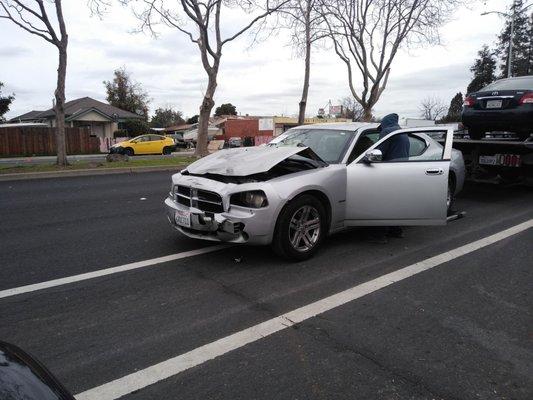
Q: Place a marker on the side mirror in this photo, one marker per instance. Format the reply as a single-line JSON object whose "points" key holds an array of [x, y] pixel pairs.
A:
{"points": [[373, 156]]}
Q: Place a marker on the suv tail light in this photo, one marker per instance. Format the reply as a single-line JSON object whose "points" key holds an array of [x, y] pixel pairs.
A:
{"points": [[469, 101], [526, 99]]}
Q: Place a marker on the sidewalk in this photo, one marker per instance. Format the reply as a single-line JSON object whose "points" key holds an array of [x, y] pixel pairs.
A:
{"points": [[88, 172], [17, 161]]}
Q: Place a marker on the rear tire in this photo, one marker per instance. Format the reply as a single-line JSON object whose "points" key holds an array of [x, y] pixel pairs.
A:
{"points": [[450, 197], [300, 228], [476, 134], [167, 151], [129, 151]]}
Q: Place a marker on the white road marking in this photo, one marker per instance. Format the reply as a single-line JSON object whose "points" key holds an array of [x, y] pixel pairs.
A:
{"points": [[155, 373], [108, 271]]}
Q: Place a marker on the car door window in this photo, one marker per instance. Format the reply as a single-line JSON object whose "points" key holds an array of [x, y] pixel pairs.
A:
{"points": [[364, 142], [416, 146], [419, 149]]}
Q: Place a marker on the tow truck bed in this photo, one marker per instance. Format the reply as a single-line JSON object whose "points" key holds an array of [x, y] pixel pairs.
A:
{"points": [[497, 160]]}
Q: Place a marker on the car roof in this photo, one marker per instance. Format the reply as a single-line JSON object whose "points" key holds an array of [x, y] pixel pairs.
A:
{"points": [[347, 126], [516, 78]]}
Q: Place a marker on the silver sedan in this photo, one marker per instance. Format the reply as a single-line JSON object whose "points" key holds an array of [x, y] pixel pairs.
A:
{"points": [[312, 181]]}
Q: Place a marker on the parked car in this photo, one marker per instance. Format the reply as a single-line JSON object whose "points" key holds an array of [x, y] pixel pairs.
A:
{"points": [[312, 181], [22, 377], [179, 142], [144, 144], [232, 142], [504, 105]]}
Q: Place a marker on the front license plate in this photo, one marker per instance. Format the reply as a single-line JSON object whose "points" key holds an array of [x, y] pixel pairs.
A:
{"points": [[183, 218], [494, 104]]}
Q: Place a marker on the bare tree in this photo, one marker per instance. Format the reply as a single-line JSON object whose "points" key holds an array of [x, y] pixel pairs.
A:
{"points": [[432, 108], [201, 22], [351, 109], [33, 17], [303, 20], [367, 35]]}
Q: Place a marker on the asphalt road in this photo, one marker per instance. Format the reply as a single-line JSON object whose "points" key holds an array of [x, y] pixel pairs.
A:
{"points": [[461, 330]]}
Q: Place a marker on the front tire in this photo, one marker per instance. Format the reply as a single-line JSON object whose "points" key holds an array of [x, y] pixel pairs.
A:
{"points": [[167, 151], [129, 151], [300, 228]]}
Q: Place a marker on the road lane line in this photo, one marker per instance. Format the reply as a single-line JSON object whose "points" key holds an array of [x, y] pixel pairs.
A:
{"points": [[155, 373], [108, 271]]}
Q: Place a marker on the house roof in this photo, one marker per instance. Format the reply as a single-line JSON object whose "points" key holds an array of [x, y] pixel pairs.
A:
{"points": [[78, 107], [29, 116], [182, 127]]}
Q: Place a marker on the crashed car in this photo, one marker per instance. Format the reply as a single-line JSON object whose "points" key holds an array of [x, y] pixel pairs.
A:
{"points": [[312, 181]]}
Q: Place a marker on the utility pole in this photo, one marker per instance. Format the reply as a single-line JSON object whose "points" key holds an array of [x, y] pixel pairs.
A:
{"points": [[510, 63]]}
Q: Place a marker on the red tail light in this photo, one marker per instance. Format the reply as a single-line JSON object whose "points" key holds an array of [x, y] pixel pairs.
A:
{"points": [[469, 101], [526, 99]]}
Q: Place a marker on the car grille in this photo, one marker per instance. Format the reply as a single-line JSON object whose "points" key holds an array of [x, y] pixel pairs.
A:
{"points": [[201, 199]]}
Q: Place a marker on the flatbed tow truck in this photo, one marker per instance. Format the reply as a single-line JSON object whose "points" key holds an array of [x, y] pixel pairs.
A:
{"points": [[498, 158]]}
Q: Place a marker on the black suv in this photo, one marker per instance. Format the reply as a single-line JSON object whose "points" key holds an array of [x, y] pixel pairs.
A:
{"points": [[504, 105]]}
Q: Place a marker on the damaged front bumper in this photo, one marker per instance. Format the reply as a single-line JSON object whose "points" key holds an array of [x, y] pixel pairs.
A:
{"points": [[238, 225]]}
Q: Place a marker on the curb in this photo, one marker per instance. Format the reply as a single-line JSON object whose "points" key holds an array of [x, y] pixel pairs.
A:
{"points": [[88, 172]]}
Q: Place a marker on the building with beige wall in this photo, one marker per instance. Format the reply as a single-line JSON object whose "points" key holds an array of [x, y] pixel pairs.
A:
{"points": [[103, 119]]}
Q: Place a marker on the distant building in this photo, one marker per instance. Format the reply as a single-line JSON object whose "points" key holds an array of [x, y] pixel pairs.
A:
{"points": [[103, 119]]}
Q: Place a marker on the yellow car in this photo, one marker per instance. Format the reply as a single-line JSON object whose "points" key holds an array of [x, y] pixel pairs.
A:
{"points": [[145, 144]]}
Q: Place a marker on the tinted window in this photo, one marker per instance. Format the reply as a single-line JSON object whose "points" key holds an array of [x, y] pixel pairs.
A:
{"points": [[511, 84]]}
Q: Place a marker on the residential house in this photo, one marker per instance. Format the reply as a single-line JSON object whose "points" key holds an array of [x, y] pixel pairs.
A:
{"points": [[103, 119]]}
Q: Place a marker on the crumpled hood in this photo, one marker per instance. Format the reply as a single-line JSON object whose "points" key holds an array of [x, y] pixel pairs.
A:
{"points": [[243, 161]]}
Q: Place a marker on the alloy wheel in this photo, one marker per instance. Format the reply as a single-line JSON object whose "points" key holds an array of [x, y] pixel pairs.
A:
{"points": [[304, 228]]}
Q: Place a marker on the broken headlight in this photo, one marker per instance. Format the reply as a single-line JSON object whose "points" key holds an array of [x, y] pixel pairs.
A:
{"points": [[251, 199]]}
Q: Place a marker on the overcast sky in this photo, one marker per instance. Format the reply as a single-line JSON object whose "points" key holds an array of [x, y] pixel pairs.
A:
{"points": [[262, 80]]}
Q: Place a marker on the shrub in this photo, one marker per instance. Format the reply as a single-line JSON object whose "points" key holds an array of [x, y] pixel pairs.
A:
{"points": [[120, 133], [135, 127]]}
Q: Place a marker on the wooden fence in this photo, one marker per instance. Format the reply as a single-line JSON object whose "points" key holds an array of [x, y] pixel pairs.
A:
{"points": [[40, 141]]}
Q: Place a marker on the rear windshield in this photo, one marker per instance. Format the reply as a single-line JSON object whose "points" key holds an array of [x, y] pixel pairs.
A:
{"points": [[511, 84]]}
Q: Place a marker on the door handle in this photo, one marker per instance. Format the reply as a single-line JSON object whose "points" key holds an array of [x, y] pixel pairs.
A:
{"points": [[434, 171]]}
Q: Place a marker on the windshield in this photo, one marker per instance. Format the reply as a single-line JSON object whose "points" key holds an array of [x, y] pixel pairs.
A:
{"points": [[511, 84], [328, 144]]}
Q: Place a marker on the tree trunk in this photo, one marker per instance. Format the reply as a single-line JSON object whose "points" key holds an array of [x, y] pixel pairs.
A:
{"points": [[203, 120], [60, 107], [367, 113], [305, 90]]}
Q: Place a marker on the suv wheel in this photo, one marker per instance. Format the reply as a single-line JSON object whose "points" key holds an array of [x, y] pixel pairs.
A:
{"points": [[300, 228]]}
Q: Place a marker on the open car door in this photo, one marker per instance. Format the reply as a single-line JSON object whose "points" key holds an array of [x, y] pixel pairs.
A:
{"points": [[408, 191]]}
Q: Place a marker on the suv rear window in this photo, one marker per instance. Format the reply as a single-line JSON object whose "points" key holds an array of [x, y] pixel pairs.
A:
{"points": [[511, 84]]}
